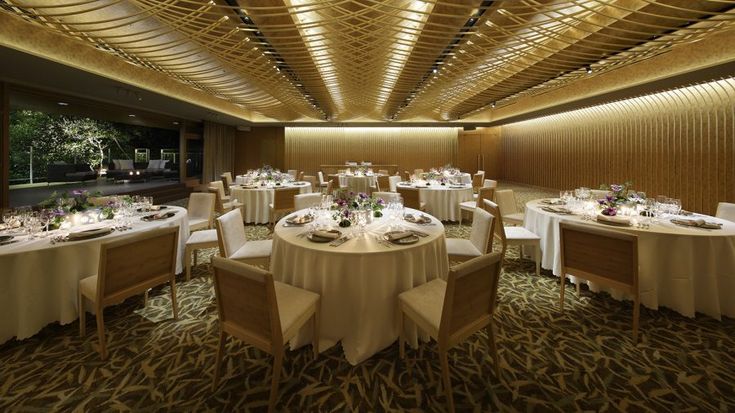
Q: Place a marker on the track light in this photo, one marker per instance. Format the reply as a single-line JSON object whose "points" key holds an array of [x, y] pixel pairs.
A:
{"points": [[589, 70]]}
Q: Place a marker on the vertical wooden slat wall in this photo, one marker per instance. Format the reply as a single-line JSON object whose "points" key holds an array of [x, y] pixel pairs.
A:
{"points": [[409, 148], [678, 143]]}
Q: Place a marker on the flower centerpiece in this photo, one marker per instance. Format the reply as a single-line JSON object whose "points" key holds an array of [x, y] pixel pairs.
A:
{"points": [[619, 197], [78, 206], [347, 204]]}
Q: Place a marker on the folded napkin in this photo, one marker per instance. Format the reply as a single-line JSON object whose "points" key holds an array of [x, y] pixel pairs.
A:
{"points": [[557, 210], [326, 234], [395, 236], [300, 219], [553, 202], [699, 223]]}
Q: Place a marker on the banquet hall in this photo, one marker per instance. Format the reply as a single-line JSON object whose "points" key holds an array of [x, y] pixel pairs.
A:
{"points": [[367, 205]]}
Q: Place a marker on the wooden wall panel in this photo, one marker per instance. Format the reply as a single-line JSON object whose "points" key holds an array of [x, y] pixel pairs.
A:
{"points": [[679, 143], [485, 142], [259, 146], [409, 148]]}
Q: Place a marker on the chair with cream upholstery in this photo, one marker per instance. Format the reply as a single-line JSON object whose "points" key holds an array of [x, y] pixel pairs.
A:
{"points": [[303, 201], [383, 183], [226, 179], [383, 172], [469, 206], [283, 203], [322, 183], [233, 243], [294, 173], [514, 236], [726, 210], [603, 256], [451, 311], [119, 277], [330, 187], [221, 188], [418, 172], [387, 196], [201, 210], [480, 241], [477, 181], [198, 240], [411, 198], [261, 312], [506, 200], [300, 176], [222, 207], [392, 182], [487, 183], [311, 179]]}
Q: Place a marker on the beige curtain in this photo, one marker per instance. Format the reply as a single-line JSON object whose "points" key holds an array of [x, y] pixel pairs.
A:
{"points": [[219, 146]]}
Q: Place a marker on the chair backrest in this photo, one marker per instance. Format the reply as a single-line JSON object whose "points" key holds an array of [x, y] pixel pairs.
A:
{"points": [[320, 175], [246, 303], [410, 197], [393, 181], [293, 172], [201, 206], [482, 230], [300, 176], [230, 232], [312, 180], [506, 200], [220, 187], [483, 194], [131, 265], [330, 187], [219, 205], [383, 183], [225, 186], [489, 183], [470, 298], [302, 201], [499, 229], [477, 180], [283, 198], [227, 176], [387, 196], [599, 255], [418, 172], [726, 210], [383, 171]]}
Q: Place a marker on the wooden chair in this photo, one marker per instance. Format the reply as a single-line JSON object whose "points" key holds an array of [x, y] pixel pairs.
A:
{"points": [[469, 206], [393, 182], [383, 172], [127, 267], [411, 198], [294, 173], [201, 208], [322, 183], [331, 187], [467, 301], [477, 181], [314, 184], [234, 245], [303, 201], [726, 211], [282, 203], [222, 207], [227, 176], [514, 236], [418, 172], [198, 240], [383, 183], [506, 200], [261, 312], [300, 176], [605, 257], [487, 183], [460, 249], [221, 188]]}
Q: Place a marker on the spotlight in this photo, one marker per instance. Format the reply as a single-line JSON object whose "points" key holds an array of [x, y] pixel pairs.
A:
{"points": [[589, 70], [62, 104], [131, 115], [492, 105]]}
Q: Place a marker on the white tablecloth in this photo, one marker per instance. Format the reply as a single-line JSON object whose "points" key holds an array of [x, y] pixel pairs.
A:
{"points": [[357, 183], [685, 269], [359, 282], [39, 281], [256, 201], [442, 201]]}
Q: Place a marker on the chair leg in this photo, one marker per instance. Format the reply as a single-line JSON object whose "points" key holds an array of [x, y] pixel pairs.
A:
{"points": [[315, 330], [445, 378], [187, 257], [562, 279], [218, 359], [538, 260], [101, 333], [145, 298], [636, 315], [82, 316], [492, 347], [275, 379], [401, 338], [173, 297]]}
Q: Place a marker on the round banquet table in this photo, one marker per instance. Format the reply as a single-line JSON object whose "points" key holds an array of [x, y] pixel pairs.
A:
{"points": [[356, 183], [442, 201], [39, 280], [359, 281], [683, 268], [256, 200]]}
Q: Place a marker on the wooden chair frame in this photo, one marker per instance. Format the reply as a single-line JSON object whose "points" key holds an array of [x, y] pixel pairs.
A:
{"points": [[283, 202], [499, 233], [411, 198]]}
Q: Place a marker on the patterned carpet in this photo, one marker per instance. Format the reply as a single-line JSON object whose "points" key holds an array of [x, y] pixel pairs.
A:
{"points": [[582, 359]]}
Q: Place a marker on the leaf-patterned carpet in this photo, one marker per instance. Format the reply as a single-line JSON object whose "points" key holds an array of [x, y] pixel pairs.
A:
{"points": [[582, 359]]}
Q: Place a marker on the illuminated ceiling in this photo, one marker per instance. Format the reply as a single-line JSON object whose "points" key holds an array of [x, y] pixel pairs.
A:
{"points": [[378, 60]]}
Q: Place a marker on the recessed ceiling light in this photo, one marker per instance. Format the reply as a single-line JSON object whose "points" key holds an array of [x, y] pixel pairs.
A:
{"points": [[176, 123], [589, 69], [131, 115], [62, 103]]}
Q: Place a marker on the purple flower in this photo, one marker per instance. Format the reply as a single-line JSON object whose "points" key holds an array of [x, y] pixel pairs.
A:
{"points": [[601, 201], [362, 195], [616, 188]]}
